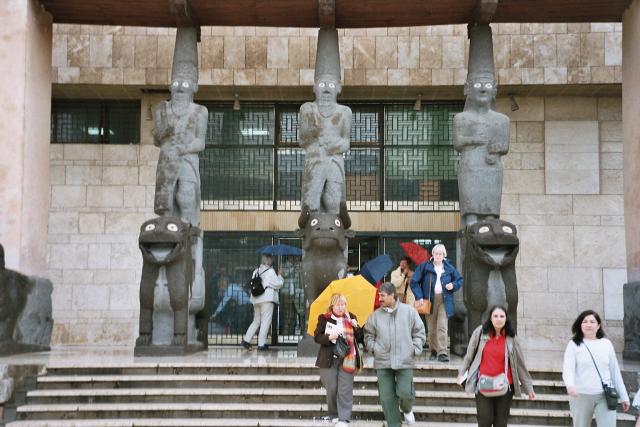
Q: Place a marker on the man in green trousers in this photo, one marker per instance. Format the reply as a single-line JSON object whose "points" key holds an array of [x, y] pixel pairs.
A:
{"points": [[395, 335]]}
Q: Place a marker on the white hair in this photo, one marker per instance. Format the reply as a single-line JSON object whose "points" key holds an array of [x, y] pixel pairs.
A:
{"points": [[439, 247]]}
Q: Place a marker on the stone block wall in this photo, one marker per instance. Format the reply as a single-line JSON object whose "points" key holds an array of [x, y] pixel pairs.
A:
{"points": [[100, 195], [563, 189], [529, 54], [572, 241]]}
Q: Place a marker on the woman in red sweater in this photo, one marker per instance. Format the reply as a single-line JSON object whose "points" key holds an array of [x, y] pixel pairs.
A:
{"points": [[491, 344]]}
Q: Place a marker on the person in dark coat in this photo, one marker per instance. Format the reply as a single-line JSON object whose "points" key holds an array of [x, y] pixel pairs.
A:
{"points": [[336, 374], [437, 280]]}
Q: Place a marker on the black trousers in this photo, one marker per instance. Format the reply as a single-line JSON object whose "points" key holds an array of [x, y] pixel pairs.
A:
{"points": [[493, 411]]}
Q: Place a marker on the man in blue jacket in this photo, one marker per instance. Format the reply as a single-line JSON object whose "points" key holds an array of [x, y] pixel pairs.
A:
{"points": [[437, 280]]}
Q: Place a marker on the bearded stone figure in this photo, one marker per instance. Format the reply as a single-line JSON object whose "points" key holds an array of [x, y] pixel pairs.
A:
{"points": [[480, 134], [325, 131], [179, 132]]}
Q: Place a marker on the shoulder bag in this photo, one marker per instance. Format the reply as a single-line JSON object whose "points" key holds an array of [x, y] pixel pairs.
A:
{"points": [[341, 347], [492, 386], [610, 393], [425, 307]]}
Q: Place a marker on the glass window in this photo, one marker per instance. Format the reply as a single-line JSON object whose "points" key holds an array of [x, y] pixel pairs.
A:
{"points": [[400, 159], [95, 122]]}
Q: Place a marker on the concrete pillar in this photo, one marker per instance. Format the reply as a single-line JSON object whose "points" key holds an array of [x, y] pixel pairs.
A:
{"points": [[631, 127], [25, 100]]}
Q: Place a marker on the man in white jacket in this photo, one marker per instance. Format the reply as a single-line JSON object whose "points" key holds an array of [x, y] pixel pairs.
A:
{"points": [[395, 334], [264, 304]]}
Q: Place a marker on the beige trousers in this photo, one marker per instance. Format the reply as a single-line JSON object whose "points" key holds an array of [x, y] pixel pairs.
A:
{"points": [[438, 324]]}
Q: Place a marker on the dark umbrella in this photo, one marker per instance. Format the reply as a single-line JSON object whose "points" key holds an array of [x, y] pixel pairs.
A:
{"points": [[417, 253], [280, 250], [376, 268]]}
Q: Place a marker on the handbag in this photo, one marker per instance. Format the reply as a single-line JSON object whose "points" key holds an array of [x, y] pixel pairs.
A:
{"points": [[610, 393], [341, 347], [492, 386], [425, 307]]}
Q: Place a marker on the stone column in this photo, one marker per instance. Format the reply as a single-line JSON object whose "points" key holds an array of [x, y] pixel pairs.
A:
{"points": [[25, 115], [631, 126]]}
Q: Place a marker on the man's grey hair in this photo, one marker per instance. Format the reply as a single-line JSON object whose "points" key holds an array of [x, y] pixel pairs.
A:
{"points": [[388, 288]]}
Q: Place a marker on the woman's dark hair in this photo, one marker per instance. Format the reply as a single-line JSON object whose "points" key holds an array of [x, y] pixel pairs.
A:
{"points": [[576, 328], [406, 258], [487, 326]]}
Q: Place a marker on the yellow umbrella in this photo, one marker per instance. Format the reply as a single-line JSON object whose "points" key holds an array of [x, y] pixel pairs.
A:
{"points": [[360, 296]]}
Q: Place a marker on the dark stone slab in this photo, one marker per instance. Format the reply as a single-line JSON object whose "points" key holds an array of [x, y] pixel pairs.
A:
{"points": [[307, 347], [631, 301]]}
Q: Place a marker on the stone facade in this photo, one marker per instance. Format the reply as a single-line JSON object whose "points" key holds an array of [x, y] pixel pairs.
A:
{"points": [[562, 178], [572, 243], [525, 54]]}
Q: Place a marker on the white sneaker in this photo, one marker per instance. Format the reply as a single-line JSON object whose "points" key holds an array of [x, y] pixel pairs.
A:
{"points": [[409, 418], [342, 424]]}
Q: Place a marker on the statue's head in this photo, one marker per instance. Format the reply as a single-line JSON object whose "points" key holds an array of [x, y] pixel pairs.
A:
{"points": [[327, 87], [184, 70], [481, 89], [326, 76], [182, 88]]}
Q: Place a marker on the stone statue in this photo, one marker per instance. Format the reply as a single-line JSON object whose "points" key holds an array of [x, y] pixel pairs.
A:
{"points": [[480, 134], [489, 270], [166, 286], [325, 130], [180, 130], [25, 311], [324, 241]]}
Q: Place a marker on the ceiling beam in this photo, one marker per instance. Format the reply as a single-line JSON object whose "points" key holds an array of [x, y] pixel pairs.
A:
{"points": [[327, 13], [484, 11], [183, 14]]}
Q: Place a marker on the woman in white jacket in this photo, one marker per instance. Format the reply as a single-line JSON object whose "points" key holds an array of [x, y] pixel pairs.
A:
{"points": [[589, 362], [264, 304]]}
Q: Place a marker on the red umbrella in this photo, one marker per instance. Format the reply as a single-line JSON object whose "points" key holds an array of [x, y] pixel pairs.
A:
{"points": [[417, 253]]}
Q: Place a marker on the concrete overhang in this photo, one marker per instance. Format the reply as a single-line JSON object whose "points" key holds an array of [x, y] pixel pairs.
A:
{"points": [[348, 13]]}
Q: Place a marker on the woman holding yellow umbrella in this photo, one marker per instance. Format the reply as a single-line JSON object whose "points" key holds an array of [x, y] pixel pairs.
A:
{"points": [[336, 373]]}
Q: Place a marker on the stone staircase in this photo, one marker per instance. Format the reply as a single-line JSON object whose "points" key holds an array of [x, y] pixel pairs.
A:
{"points": [[256, 394]]}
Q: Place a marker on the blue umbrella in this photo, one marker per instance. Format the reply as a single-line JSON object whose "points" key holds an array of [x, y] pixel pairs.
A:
{"points": [[280, 250], [375, 269]]}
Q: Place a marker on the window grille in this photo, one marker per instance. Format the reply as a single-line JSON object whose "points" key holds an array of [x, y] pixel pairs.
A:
{"points": [[95, 122], [400, 159]]}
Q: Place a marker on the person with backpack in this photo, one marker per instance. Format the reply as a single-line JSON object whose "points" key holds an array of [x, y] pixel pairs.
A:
{"points": [[263, 303]]}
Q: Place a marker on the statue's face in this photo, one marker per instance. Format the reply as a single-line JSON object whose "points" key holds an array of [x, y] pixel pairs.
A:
{"points": [[182, 89], [327, 88], [481, 90]]}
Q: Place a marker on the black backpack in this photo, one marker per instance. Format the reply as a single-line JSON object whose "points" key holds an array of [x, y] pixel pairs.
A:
{"points": [[255, 284]]}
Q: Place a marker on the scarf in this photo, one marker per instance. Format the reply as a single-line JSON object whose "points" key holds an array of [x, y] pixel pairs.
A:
{"points": [[349, 361]]}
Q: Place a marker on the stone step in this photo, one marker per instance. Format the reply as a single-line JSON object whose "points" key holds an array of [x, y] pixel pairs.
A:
{"points": [[281, 411], [227, 422], [241, 380], [263, 395], [277, 411], [305, 368]]}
